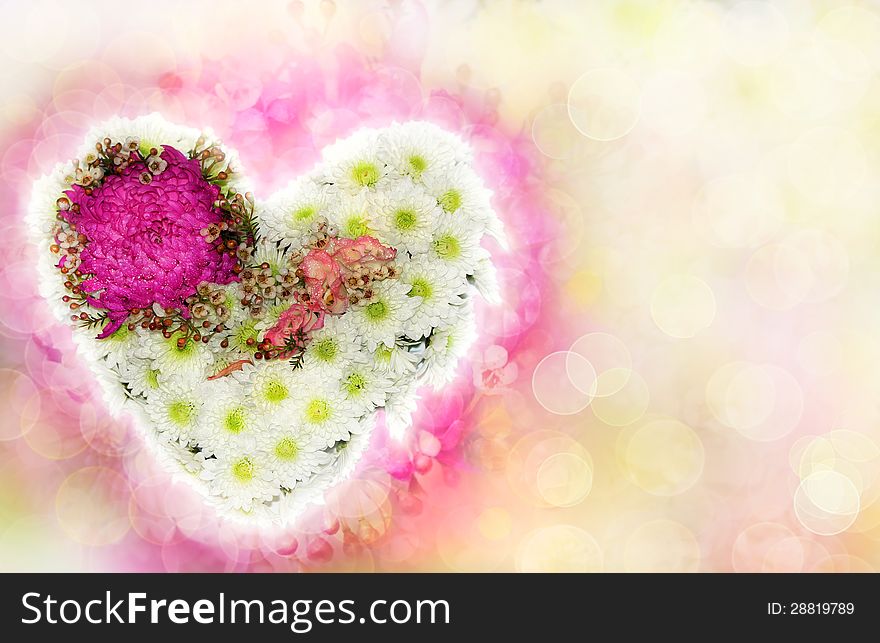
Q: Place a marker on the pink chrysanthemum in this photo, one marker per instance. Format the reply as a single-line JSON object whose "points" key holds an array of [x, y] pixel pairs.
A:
{"points": [[143, 238]]}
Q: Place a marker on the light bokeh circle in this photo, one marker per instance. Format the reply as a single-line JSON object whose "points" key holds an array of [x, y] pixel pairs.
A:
{"points": [[92, 506], [757, 546], [553, 132], [559, 548], [682, 306], [20, 398], [550, 469], [827, 503], [610, 359], [562, 382], [664, 457], [604, 103], [626, 405], [763, 402], [564, 479], [662, 546]]}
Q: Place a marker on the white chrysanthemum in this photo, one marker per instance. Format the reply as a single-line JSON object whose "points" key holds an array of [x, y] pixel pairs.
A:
{"points": [[334, 346], [351, 216], [120, 347], [461, 195], [457, 244], [174, 409], [353, 164], [399, 409], [191, 361], [292, 215], [112, 394], [229, 419], [438, 290], [290, 506], [395, 361], [437, 137], [380, 320], [140, 377], [151, 129], [365, 385], [349, 453], [190, 461], [241, 479], [41, 219], [418, 150], [324, 412], [447, 346], [271, 254], [405, 217], [293, 453], [237, 330], [243, 335], [486, 280], [272, 384]]}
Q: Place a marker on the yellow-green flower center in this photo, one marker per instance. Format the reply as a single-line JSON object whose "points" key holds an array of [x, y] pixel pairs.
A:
{"points": [[181, 412], [326, 349], [417, 165], [275, 391], [365, 174], [421, 288], [276, 310], [355, 227], [377, 311], [450, 200], [286, 449], [405, 219], [355, 384], [447, 247], [234, 421], [318, 411], [120, 334], [305, 213], [383, 353], [243, 469], [145, 147], [153, 378], [185, 352], [245, 332]]}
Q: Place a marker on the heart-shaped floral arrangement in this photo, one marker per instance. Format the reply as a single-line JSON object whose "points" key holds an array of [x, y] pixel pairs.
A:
{"points": [[255, 341]]}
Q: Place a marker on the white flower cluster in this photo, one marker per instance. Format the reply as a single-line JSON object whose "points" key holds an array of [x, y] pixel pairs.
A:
{"points": [[262, 438]]}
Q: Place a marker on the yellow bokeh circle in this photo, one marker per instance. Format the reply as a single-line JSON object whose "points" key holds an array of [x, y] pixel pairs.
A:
{"points": [[664, 457], [559, 548], [92, 506]]}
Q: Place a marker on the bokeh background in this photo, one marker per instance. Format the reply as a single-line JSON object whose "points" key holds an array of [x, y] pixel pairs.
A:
{"points": [[684, 372]]}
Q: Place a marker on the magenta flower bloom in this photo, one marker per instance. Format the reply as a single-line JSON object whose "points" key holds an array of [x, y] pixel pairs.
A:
{"points": [[144, 244]]}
